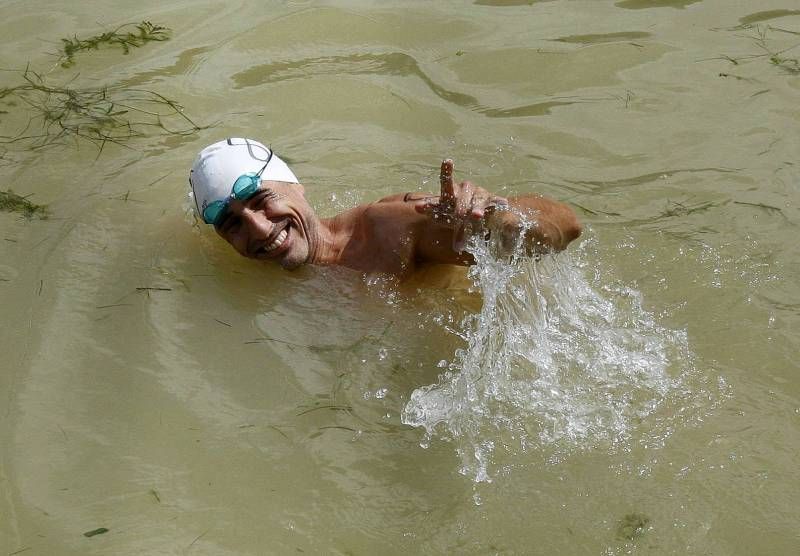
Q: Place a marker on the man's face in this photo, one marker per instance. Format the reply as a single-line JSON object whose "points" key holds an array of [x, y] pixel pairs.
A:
{"points": [[276, 223]]}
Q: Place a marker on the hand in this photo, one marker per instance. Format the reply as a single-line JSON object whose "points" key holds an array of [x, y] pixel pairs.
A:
{"points": [[459, 206], [506, 228], [458, 203]]}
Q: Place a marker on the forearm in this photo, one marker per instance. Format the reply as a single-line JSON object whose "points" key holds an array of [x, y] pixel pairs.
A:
{"points": [[547, 225], [550, 226], [554, 224]]}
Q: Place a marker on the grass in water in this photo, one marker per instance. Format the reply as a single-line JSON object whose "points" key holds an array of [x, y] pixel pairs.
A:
{"points": [[130, 35], [100, 115], [11, 202], [766, 43], [777, 58], [632, 526]]}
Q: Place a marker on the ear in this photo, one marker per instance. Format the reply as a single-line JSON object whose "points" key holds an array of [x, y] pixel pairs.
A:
{"points": [[301, 188]]}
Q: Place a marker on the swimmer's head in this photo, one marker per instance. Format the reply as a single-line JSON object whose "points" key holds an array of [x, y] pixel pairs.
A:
{"points": [[218, 166]]}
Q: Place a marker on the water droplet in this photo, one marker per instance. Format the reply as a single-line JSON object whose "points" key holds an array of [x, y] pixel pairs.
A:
{"points": [[556, 358]]}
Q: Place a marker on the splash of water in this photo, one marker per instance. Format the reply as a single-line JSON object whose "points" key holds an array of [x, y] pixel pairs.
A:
{"points": [[551, 363]]}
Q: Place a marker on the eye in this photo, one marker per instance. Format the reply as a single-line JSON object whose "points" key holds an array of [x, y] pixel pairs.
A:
{"points": [[260, 199], [230, 224]]}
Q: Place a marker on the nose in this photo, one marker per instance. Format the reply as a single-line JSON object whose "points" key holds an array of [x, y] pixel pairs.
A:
{"points": [[256, 223], [253, 229]]}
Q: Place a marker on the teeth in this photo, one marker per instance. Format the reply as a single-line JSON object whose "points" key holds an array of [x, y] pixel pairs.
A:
{"points": [[277, 242]]}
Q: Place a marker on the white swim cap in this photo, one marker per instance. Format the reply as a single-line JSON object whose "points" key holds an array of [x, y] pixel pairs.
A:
{"points": [[219, 165]]}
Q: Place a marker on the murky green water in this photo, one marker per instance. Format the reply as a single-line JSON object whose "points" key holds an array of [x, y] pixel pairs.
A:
{"points": [[232, 408]]}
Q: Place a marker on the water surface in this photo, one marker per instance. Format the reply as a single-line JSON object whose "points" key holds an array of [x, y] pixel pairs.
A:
{"points": [[646, 399]]}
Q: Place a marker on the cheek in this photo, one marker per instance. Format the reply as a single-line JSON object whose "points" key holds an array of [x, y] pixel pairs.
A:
{"points": [[233, 240], [240, 244]]}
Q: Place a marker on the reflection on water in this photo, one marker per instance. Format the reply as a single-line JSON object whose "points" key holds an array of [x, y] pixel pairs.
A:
{"points": [[553, 362]]}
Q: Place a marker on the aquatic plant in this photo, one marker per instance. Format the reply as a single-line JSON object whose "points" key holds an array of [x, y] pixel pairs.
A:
{"points": [[141, 34], [632, 525], [776, 57], [11, 202], [792, 65], [766, 43], [100, 115]]}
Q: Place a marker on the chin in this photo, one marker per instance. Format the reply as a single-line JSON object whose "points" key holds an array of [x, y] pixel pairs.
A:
{"points": [[292, 261]]}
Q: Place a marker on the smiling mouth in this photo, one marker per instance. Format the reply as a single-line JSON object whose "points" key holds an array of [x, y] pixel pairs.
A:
{"points": [[275, 241]]}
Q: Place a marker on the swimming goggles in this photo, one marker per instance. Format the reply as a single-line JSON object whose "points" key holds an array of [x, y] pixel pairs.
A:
{"points": [[243, 188]]}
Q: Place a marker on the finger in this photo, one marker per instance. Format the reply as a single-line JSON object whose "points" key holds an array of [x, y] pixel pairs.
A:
{"points": [[464, 193], [484, 204], [480, 202], [493, 203], [446, 181], [459, 238]]}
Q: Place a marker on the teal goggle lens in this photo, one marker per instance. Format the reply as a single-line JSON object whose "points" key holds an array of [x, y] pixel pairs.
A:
{"points": [[244, 187]]}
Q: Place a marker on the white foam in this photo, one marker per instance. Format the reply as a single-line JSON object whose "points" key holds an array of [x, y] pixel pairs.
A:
{"points": [[551, 363]]}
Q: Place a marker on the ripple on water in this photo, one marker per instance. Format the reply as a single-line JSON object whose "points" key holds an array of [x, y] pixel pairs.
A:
{"points": [[622, 36], [643, 4], [758, 17]]}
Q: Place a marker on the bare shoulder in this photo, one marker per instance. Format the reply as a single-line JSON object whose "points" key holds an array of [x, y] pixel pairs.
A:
{"points": [[386, 237], [392, 213]]}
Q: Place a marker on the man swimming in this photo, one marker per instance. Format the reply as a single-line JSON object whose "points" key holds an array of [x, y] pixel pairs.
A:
{"points": [[257, 204]]}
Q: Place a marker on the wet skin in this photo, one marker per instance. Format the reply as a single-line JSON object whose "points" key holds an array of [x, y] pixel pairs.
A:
{"points": [[393, 235]]}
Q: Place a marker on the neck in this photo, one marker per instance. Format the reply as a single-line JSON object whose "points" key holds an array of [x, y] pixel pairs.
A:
{"points": [[335, 239]]}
